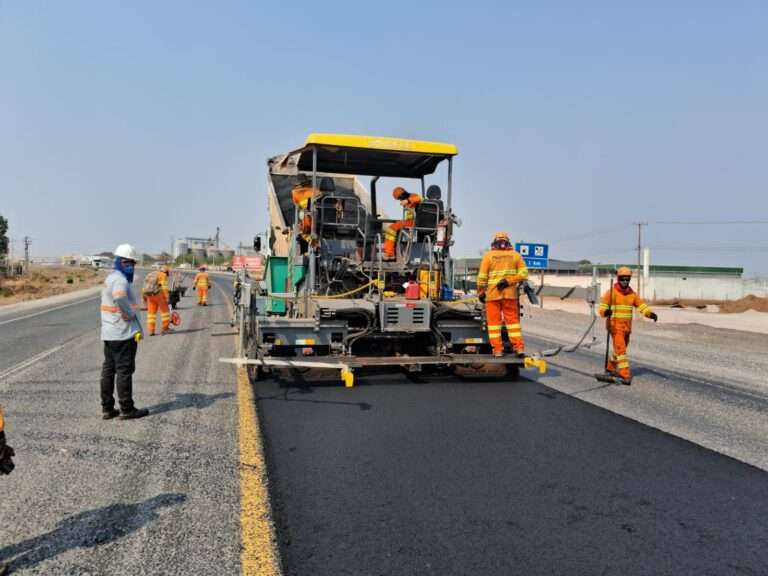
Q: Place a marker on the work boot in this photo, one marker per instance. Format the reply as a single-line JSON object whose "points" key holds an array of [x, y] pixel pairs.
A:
{"points": [[168, 331], [134, 413], [110, 413], [626, 381], [498, 353]]}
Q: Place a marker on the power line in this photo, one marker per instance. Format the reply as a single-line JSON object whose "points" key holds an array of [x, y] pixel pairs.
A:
{"points": [[709, 222]]}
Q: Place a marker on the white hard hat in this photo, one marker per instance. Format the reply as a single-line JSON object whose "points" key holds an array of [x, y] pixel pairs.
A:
{"points": [[126, 251]]}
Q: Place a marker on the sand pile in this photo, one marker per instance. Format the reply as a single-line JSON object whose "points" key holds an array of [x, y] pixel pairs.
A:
{"points": [[743, 304]]}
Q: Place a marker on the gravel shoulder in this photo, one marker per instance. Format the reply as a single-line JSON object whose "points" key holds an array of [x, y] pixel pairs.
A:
{"points": [[158, 495]]}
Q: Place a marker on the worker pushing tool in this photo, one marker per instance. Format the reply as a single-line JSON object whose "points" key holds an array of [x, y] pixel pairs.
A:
{"points": [[501, 270], [201, 283], [155, 292], [409, 202], [617, 307]]}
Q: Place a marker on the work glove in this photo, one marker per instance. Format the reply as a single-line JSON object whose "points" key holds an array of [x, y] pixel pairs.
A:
{"points": [[481, 297], [653, 316], [6, 453], [502, 284], [608, 313]]}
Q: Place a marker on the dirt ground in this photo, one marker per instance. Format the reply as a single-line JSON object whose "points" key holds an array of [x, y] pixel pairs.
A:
{"points": [[47, 281], [740, 317], [725, 306], [743, 304]]}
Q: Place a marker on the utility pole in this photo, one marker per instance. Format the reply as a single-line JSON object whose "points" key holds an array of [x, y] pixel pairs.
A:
{"points": [[27, 242], [640, 256]]}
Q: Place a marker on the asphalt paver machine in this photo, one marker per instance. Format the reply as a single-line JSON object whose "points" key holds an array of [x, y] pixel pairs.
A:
{"points": [[330, 300]]}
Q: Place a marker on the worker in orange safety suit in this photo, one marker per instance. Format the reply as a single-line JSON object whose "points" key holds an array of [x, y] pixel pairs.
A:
{"points": [[155, 292], [201, 283], [6, 452], [501, 270], [617, 306], [6, 463], [302, 195], [409, 202]]}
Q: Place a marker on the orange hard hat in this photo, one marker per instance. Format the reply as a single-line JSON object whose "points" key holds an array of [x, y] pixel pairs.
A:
{"points": [[399, 193], [501, 236], [624, 271]]}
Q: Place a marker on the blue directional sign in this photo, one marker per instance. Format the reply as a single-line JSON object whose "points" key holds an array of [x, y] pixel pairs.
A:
{"points": [[536, 256]]}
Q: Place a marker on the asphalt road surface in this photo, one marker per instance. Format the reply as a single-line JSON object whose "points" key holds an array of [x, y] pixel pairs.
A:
{"points": [[400, 475], [158, 495]]}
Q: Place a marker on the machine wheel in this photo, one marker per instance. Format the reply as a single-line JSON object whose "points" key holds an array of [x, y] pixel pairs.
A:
{"points": [[255, 372], [513, 372]]}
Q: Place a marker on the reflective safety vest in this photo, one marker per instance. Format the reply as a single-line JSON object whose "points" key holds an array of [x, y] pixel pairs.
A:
{"points": [[201, 280], [622, 305], [162, 279], [498, 264], [410, 207], [118, 308]]}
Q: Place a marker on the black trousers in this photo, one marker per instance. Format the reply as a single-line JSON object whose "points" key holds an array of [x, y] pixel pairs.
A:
{"points": [[117, 370]]}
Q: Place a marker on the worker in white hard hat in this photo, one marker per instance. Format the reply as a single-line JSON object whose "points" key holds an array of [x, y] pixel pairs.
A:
{"points": [[121, 332]]}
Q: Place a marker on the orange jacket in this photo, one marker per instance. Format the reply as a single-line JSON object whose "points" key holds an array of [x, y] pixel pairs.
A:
{"points": [[622, 305], [498, 264], [301, 195], [410, 207], [201, 280]]}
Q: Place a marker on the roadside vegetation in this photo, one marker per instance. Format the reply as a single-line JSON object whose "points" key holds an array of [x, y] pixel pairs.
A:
{"points": [[47, 281]]}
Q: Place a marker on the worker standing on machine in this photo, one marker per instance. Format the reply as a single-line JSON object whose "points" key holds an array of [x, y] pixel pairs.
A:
{"points": [[302, 195], [201, 283], [617, 306], [409, 202], [501, 270]]}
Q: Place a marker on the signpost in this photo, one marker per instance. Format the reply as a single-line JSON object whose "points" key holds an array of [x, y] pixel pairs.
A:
{"points": [[536, 257]]}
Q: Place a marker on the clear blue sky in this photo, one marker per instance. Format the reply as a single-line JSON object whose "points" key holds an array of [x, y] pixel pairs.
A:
{"points": [[134, 121]]}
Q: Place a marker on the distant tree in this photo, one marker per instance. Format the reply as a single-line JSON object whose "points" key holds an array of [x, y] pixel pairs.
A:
{"points": [[3, 237], [585, 263]]}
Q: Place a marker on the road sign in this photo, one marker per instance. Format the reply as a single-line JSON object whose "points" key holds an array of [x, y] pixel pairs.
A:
{"points": [[536, 256]]}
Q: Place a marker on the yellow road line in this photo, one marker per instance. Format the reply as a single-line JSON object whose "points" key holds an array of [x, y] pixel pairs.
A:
{"points": [[259, 555]]}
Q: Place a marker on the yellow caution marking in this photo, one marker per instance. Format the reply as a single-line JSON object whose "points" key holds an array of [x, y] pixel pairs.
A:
{"points": [[259, 554]]}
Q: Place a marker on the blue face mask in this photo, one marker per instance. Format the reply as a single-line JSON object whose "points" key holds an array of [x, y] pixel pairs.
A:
{"points": [[126, 270]]}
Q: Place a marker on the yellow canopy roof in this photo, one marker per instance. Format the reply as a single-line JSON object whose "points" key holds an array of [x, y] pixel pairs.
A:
{"points": [[383, 143], [374, 155]]}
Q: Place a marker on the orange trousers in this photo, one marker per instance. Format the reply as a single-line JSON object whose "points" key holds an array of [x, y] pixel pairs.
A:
{"points": [[157, 302], [619, 361], [202, 296], [390, 236], [500, 313]]}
